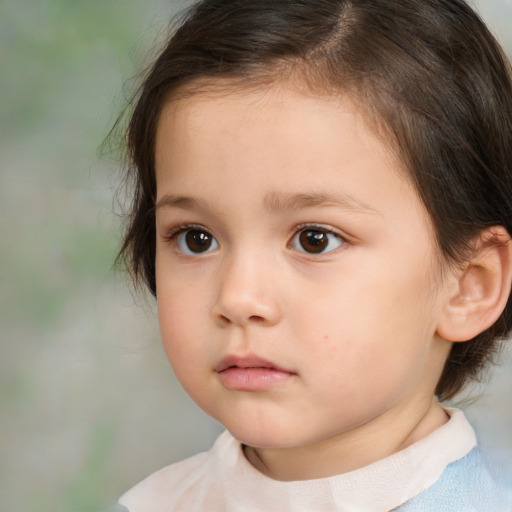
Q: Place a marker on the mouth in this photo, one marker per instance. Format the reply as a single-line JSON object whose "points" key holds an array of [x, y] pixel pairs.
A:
{"points": [[250, 373]]}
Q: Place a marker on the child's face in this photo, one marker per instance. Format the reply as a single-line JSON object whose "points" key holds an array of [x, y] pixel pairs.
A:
{"points": [[288, 240]]}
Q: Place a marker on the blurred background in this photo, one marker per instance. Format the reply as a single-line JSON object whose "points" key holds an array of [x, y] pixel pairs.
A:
{"points": [[88, 405]]}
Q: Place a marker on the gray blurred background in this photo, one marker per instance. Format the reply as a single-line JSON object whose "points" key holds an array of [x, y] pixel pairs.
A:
{"points": [[88, 405]]}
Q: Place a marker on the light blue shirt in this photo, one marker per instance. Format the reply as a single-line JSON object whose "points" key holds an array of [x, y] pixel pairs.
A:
{"points": [[466, 485]]}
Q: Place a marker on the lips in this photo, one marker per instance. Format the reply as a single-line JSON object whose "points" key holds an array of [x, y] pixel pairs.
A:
{"points": [[250, 373], [246, 362]]}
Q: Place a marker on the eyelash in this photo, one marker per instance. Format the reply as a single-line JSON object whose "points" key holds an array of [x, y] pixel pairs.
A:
{"points": [[174, 233]]}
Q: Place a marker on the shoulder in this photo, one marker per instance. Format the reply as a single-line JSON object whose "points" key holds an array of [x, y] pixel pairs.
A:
{"points": [[175, 487], [164, 485], [466, 485]]}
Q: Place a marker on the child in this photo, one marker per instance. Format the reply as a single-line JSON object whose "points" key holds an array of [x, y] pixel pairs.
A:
{"points": [[323, 209]]}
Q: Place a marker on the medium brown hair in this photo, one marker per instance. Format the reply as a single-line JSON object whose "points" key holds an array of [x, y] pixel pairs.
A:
{"points": [[427, 71]]}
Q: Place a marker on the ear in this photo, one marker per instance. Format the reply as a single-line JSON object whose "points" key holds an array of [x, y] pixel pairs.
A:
{"points": [[480, 289]]}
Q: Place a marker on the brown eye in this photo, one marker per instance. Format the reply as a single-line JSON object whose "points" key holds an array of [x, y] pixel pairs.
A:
{"points": [[196, 241], [313, 240], [316, 241]]}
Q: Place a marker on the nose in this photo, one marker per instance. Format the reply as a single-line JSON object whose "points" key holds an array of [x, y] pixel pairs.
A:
{"points": [[247, 293]]}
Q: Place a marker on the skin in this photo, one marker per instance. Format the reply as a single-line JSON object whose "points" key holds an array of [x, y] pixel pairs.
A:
{"points": [[355, 327]]}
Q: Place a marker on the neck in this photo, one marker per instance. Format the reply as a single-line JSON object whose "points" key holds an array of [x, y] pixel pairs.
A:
{"points": [[381, 437]]}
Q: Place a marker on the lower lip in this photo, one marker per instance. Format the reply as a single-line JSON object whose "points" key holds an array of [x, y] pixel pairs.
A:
{"points": [[252, 379]]}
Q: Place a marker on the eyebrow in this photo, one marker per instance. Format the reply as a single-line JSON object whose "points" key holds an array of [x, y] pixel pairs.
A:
{"points": [[277, 202], [181, 202]]}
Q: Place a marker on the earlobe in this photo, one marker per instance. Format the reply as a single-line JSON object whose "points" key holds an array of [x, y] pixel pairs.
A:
{"points": [[482, 288]]}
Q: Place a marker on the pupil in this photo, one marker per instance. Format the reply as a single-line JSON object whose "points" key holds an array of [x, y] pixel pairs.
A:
{"points": [[198, 241], [313, 240]]}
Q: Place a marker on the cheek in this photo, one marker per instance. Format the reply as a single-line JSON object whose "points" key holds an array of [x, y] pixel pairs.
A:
{"points": [[178, 330], [178, 314], [375, 323]]}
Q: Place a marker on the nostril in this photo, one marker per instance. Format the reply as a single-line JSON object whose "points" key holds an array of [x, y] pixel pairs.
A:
{"points": [[224, 319], [253, 318]]}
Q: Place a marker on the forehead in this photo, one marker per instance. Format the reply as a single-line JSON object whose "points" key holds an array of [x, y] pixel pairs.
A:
{"points": [[279, 126], [280, 106]]}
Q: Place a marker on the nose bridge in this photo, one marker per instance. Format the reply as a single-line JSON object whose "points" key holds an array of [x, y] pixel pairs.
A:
{"points": [[247, 288]]}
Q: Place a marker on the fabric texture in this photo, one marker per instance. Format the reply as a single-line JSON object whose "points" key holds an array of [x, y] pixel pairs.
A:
{"points": [[443, 472]]}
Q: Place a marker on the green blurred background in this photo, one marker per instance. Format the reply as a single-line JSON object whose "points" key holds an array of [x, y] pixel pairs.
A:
{"points": [[88, 404]]}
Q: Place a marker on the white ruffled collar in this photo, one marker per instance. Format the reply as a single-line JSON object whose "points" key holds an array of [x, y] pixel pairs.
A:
{"points": [[383, 485]]}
